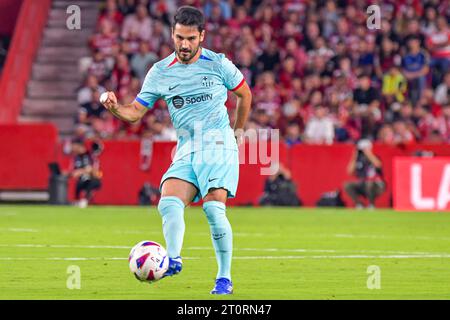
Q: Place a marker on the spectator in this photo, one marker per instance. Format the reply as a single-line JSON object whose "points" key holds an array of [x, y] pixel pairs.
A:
{"points": [[245, 62], [262, 123], [402, 132], [126, 7], [160, 35], [99, 66], [112, 14], [386, 135], [267, 95], [93, 107], [224, 5], [415, 68], [292, 136], [386, 58], [394, 86], [413, 32], [425, 123], [442, 93], [367, 105], [105, 40], [366, 167], [439, 45], [319, 129], [269, 60], [85, 93], [142, 61], [121, 76], [443, 123], [163, 133], [290, 114], [138, 23], [330, 18], [428, 24]]}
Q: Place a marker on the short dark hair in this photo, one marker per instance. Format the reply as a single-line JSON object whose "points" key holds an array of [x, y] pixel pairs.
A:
{"points": [[189, 16]]}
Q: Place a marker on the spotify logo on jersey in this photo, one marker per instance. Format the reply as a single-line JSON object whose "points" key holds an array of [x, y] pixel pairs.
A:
{"points": [[178, 102]]}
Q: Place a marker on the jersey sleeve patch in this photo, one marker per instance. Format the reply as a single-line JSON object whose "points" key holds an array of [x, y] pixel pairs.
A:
{"points": [[232, 77], [239, 85]]}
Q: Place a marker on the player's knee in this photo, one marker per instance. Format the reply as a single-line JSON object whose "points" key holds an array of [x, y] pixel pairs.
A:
{"points": [[168, 204], [216, 194], [214, 210]]}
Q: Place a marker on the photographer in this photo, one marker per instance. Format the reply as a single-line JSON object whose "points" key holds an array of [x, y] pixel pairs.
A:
{"points": [[85, 170], [279, 190], [367, 168]]}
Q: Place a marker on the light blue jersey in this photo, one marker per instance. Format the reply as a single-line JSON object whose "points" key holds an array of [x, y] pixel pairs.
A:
{"points": [[195, 95], [207, 153]]}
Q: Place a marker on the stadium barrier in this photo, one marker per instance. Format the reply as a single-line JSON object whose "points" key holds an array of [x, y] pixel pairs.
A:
{"points": [[27, 150], [422, 184]]}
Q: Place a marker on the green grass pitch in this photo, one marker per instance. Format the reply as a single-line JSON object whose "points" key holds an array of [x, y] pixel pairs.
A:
{"points": [[280, 253]]}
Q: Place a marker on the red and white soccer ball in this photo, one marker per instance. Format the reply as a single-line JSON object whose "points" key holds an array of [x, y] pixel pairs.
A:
{"points": [[148, 261]]}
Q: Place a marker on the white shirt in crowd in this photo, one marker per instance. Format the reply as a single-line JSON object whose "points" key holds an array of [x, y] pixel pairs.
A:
{"points": [[320, 131]]}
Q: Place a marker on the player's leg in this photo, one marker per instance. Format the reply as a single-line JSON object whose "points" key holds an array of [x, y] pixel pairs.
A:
{"points": [[178, 189], [214, 207], [218, 173]]}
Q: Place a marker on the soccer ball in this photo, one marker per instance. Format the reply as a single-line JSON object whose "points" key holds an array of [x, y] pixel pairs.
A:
{"points": [[148, 261]]}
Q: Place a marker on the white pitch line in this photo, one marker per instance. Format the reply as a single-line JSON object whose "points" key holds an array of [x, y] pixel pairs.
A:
{"points": [[347, 257], [8, 213], [64, 246], [242, 258], [74, 258], [369, 236], [19, 230], [202, 234]]}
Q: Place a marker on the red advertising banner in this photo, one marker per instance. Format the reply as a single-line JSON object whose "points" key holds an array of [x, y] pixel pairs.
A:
{"points": [[421, 184]]}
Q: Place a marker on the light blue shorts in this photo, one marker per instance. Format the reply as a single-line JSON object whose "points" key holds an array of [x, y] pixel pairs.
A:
{"points": [[206, 169]]}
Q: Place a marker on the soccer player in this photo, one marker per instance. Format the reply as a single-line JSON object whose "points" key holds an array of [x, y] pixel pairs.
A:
{"points": [[194, 82]]}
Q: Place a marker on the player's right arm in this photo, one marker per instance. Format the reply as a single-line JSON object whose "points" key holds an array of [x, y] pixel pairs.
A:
{"points": [[132, 112]]}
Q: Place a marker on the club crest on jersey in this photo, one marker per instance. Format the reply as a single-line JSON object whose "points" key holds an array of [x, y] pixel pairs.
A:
{"points": [[206, 82]]}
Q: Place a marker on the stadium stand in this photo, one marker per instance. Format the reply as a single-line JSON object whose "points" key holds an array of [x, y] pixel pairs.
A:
{"points": [[51, 94]]}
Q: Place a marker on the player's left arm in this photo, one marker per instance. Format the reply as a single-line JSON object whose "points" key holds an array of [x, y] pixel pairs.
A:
{"points": [[234, 81], [243, 105]]}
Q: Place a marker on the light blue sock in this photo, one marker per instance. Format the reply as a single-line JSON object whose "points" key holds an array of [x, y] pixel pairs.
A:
{"points": [[171, 210], [222, 236]]}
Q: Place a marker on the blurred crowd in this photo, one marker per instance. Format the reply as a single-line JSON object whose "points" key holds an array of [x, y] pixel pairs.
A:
{"points": [[317, 72]]}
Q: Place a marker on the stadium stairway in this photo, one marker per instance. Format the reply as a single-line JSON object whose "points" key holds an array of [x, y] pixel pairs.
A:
{"points": [[51, 91]]}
